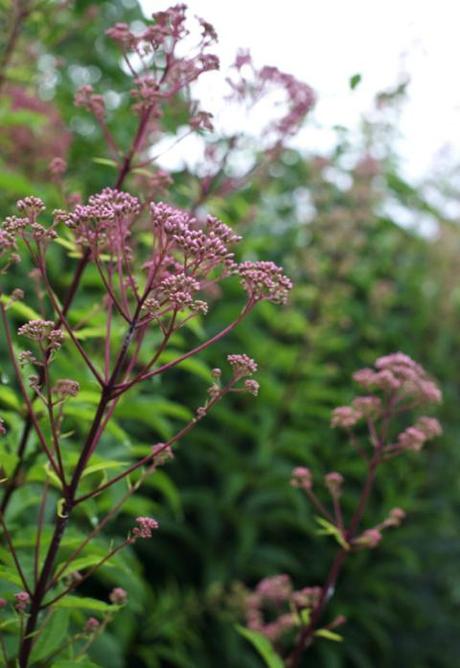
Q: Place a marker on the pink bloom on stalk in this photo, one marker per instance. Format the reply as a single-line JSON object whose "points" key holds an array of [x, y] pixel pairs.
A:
{"points": [[308, 597], [368, 406], [430, 426], [57, 167], [145, 527], [66, 388], [414, 438], [334, 482], [276, 588], [2, 427], [275, 629], [120, 32], [301, 477], [265, 280], [36, 329], [30, 205], [162, 453], [92, 625], [395, 517], [202, 120], [399, 373], [118, 596], [252, 386], [22, 601], [242, 365], [3, 603], [243, 57], [345, 417], [87, 99], [369, 538]]}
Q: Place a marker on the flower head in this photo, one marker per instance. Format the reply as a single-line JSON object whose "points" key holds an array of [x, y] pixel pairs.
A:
{"points": [[22, 601], [334, 482], [242, 365], [118, 596], [368, 539], [265, 280], [92, 625], [145, 527], [301, 477]]}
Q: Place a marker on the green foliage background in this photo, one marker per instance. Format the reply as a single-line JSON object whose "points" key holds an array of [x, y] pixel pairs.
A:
{"points": [[365, 286]]}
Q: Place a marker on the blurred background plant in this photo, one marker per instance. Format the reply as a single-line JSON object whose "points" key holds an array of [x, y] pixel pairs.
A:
{"points": [[367, 283]]}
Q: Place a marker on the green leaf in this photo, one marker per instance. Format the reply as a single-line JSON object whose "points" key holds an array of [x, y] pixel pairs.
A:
{"points": [[355, 80], [83, 663], [193, 365], [105, 161], [85, 603], [9, 398], [329, 635], [52, 636], [8, 461], [10, 575], [19, 308], [330, 529], [262, 645], [82, 563], [103, 466]]}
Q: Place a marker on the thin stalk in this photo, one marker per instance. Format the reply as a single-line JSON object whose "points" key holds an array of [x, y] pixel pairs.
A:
{"points": [[305, 636], [14, 554]]}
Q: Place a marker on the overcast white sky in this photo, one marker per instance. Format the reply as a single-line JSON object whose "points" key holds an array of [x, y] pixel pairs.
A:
{"points": [[324, 42]]}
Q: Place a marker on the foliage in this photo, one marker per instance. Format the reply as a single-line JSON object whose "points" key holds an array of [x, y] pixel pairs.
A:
{"points": [[364, 286]]}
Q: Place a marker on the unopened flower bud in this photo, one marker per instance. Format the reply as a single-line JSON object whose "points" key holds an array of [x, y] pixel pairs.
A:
{"points": [[334, 482], [92, 625], [118, 596], [251, 386], [301, 477], [161, 453], [22, 601], [368, 539], [395, 518]]}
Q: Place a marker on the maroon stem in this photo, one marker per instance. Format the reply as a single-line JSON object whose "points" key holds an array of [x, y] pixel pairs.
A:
{"points": [[124, 171], [305, 637], [62, 519]]}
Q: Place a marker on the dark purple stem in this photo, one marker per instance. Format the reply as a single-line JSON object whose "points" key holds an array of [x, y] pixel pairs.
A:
{"points": [[306, 635]]}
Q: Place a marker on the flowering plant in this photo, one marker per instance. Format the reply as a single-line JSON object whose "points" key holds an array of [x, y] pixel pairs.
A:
{"points": [[396, 386], [155, 269]]}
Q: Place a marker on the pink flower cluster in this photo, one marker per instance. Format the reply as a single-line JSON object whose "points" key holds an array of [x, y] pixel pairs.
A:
{"points": [[186, 256], [415, 437], [274, 597], [299, 96], [265, 280], [43, 331], [370, 538], [104, 222], [404, 384], [22, 600], [86, 98], [145, 527], [242, 365], [301, 477], [398, 373], [118, 596], [162, 73]]}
